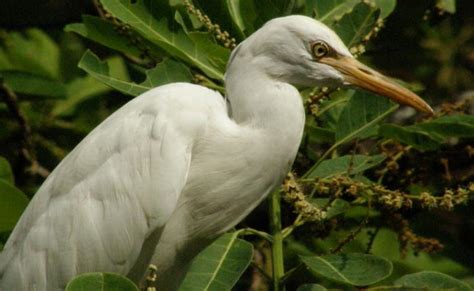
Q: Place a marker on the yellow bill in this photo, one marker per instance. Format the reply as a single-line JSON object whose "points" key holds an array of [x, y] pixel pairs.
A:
{"points": [[361, 76]]}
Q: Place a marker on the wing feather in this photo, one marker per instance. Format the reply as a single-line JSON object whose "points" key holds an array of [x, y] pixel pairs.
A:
{"points": [[118, 186]]}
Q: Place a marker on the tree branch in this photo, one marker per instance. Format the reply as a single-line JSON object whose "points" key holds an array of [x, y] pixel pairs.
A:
{"points": [[26, 150]]}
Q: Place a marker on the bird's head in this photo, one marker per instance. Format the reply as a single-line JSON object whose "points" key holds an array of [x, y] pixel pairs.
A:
{"points": [[304, 52]]}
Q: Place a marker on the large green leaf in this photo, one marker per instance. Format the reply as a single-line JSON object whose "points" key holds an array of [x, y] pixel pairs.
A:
{"points": [[386, 7], [311, 287], [220, 265], [361, 114], [354, 26], [101, 282], [450, 126], [329, 11], [149, 18], [30, 85], [350, 164], [81, 89], [12, 204], [409, 135], [354, 269], [6, 172], [165, 72], [32, 51], [429, 135], [238, 16], [105, 33], [429, 280]]}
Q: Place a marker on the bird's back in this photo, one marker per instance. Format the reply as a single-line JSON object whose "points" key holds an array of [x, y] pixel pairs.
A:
{"points": [[115, 189]]}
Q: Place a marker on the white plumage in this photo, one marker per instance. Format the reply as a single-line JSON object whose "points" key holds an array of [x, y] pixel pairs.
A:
{"points": [[168, 172]]}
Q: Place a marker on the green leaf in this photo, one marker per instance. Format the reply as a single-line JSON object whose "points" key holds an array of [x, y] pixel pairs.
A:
{"points": [[320, 134], [354, 26], [361, 114], [311, 287], [220, 265], [85, 88], [148, 18], [12, 204], [410, 136], [446, 5], [105, 33], [234, 8], [450, 126], [6, 172], [32, 51], [336, 207], [429, 135], [165, 72], [354, 269], [329, 11], [386, 7], [33, 85], [429, 280], [101, 282], [350, 165]]}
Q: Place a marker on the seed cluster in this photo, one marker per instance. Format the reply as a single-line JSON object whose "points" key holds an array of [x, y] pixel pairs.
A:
{"points": [[222, 36], [293, 195]]}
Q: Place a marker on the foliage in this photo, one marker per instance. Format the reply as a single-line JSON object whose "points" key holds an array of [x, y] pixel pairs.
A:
{"points": [[364, 181]]}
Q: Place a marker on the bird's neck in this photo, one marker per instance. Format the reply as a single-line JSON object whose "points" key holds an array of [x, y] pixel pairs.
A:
{"points": [[260, 101]]}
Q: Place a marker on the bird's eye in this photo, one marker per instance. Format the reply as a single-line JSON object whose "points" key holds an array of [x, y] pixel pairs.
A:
{"points": [[320, 49]]}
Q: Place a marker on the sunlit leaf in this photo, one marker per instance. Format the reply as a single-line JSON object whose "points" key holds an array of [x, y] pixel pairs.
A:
{"points": [[12, 204], [350, 164], [329, 11], [386, 7], [311, 287], [101, 282], [165, 72], [355, 269], [446, 5], [429, 280], [148, 18], [220, 265]]}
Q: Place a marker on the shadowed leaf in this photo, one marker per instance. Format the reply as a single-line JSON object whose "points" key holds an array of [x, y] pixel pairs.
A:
{"points": [[12, 204], [350, 164]]}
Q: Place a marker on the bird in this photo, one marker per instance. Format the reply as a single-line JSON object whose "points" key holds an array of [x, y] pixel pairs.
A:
{"points": [[166, 174]]}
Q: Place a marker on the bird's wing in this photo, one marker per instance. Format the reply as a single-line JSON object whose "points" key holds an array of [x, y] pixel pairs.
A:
{"points": [[120, 184]]}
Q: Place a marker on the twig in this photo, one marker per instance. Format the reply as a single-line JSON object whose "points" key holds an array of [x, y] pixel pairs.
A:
{"points": [[26, 150], [372, 236]]}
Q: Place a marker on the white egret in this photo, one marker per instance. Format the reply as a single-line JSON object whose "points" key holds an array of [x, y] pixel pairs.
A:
{"points": [[174, 168]]}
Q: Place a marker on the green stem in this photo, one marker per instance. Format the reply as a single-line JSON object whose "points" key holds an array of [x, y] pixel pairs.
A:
{"points": [[251, 231], [277, 246]]}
